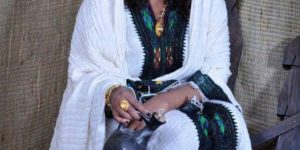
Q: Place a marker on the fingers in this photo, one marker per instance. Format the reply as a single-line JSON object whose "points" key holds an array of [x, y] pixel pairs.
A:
{"points": [[142, 125], [121, 120], [134, 105], [124, 114], [138, 106], [117, 111], [130, 115], [137, 125], [133, 113]]}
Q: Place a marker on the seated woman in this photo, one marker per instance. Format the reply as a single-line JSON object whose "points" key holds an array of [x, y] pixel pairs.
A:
{"points": [[176, 50]]}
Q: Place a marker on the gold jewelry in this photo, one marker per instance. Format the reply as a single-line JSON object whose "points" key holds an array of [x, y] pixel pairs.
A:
{"points": [[124, 104], [158, 82], [159, 26], [108, 94]]}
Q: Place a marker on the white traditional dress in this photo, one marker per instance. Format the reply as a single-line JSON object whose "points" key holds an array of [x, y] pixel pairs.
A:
{"points": [[112, 44]]}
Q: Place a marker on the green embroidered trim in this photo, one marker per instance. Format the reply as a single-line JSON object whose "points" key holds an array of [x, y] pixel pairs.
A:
{"points": [[220, 123], [172, 20], [204, 124], [208, 87], [147, 19], [162, 54], [216, 128]]}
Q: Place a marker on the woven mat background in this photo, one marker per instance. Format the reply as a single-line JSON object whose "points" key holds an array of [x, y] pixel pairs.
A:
{"points": [[34, 43], [268, 26]]}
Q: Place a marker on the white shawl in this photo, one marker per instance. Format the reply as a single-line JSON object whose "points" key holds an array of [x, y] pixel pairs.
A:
{"points": [[97, 61]]}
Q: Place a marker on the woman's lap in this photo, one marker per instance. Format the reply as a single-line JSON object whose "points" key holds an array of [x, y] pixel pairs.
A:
{"points": [[180, 131]]}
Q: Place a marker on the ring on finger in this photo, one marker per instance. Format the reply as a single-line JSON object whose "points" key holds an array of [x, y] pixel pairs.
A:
{"points": [[124, 104]]}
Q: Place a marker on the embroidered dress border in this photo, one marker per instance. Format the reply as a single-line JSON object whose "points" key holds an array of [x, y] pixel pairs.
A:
{"points": [[174, 39]]}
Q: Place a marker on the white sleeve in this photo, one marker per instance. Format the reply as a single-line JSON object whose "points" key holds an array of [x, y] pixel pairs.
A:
{"points": [[93, 68], [217, 61]]}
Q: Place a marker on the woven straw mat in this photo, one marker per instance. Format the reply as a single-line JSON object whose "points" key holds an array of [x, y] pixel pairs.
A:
{"points": [[34, 45], [268, 26]]}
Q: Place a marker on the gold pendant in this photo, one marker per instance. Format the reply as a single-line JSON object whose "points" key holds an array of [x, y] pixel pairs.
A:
{"points": [[159, 28]]}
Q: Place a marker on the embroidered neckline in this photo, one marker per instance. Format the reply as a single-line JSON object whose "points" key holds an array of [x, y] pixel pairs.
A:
{"points": [[162, 54]]}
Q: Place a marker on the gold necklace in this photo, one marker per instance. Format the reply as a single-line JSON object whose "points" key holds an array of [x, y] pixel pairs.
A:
{"points": [[159, 26]]}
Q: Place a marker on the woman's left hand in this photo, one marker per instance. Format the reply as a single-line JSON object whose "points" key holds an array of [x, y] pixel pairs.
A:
{"points": [[152, 104]]}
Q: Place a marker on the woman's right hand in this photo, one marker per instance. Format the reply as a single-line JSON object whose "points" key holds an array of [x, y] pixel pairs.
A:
{"points": [[121, 116]]}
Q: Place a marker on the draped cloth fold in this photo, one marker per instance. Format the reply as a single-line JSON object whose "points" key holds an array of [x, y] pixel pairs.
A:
{"points": [[97, 61]]}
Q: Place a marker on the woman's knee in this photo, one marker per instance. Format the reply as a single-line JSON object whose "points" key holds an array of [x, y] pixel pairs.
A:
{"points": [[179, 131]]}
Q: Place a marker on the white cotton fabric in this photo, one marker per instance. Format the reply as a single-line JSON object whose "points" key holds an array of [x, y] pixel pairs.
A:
{"points": [[179, 132], [104, 39]]}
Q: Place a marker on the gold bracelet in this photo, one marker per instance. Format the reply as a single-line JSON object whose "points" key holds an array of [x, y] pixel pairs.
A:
{"points": [[108, 94]]}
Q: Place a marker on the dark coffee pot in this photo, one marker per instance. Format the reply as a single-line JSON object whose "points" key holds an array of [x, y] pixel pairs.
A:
{"points": [[127, 139]]}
